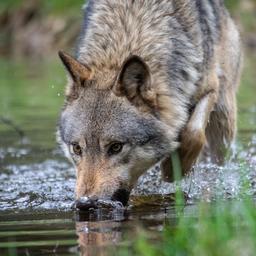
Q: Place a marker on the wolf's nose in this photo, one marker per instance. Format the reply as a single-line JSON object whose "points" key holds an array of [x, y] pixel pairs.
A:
{"points": [[121, 195], [86, 203]]}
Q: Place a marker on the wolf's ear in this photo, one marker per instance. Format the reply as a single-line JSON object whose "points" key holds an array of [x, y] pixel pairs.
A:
{"points": [[79, 72], [134, 82]]}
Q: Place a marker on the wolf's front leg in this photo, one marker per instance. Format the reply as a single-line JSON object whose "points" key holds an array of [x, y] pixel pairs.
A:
{"points": [[193, 137]]}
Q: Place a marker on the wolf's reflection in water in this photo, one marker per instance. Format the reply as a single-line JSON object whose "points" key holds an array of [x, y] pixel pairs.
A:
{"points": [[98, 231]]}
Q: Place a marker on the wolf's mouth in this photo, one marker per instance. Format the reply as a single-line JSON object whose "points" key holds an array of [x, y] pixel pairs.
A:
{"points": [[86, 204], [118, 200], [121, 195]]}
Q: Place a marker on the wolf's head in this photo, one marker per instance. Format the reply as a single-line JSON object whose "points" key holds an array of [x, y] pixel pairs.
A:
{"points": [[111, 135]]}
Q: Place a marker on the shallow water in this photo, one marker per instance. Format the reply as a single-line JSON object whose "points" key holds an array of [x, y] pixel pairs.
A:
{"points": [[37, 183]]}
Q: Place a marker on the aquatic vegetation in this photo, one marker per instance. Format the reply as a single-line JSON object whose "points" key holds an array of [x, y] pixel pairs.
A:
{"points": [[222, 229]]}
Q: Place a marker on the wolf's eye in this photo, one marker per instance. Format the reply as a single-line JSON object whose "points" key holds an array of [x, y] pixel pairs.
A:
{"points": [[77, 149], [115, 148]]}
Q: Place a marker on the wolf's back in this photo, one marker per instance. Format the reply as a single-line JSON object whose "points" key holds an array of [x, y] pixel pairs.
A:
{"points": [[174, 37], [177, 39]]}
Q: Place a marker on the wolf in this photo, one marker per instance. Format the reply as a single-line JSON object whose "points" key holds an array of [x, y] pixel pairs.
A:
{"points": [[150, 77]]}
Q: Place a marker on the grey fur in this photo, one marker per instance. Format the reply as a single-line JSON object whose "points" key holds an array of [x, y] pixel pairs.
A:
{"points": [[180, 51]]}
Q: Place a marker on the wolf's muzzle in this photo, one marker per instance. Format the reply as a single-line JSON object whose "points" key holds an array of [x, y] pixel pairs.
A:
{"points": [[118, 201]]}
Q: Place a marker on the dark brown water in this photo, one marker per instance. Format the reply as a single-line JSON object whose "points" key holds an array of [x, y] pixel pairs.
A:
{"points": [[37, 183]]}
